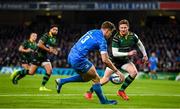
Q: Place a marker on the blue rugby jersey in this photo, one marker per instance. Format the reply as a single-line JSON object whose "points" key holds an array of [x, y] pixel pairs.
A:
{"points": [[92, 40]]}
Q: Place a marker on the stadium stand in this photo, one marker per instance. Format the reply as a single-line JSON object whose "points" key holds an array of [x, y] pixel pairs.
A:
{"points": [[159, 35], [162, 38]]}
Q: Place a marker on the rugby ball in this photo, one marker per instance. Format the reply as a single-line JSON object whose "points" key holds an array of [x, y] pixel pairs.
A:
{"points": [[115, 79]]}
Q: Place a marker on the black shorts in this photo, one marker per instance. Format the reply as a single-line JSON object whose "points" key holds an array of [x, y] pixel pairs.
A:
{"points": [[39, 60], [25, 61], [119, 62]]}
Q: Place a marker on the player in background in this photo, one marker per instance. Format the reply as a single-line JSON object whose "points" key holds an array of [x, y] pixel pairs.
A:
{"points": [[153, 61], [77, 58], [123, 49], [26, 49], [47, 44]]}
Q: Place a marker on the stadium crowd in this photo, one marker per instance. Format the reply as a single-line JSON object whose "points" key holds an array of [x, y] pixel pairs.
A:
{"points": [[163, 39]]}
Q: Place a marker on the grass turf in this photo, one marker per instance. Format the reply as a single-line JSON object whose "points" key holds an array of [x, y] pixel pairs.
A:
{"points": [[142, 93]]}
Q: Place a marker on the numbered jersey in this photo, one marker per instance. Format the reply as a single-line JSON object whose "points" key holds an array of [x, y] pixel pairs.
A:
{"points": [[92, 40]]}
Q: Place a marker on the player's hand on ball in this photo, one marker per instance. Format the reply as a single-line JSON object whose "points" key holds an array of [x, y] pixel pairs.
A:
{"points": [[121, 76], [51, 49], [132, 53]]}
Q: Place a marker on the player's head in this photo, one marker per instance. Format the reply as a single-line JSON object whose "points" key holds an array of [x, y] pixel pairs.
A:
{"points": [[53, 30], [33, 36], [123, 26], [107, 29], [153, 53]]}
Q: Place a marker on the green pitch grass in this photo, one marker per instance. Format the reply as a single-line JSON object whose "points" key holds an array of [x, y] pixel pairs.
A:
{"points": [[143, 94]]}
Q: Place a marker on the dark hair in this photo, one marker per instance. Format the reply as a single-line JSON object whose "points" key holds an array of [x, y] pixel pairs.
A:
{"points": [[124, 21], [33, 32], [108, 25], [53, 25]]}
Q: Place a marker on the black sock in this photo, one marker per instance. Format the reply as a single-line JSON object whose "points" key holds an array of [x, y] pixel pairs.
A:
{"points": [[22, 73], [45, 79], [127, 82]]}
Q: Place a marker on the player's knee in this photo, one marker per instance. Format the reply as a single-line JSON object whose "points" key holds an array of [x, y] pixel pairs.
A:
{"points": [[104, 80], [86, 79], [31, 73], [49, 71], [96, 79], [134, 74]]}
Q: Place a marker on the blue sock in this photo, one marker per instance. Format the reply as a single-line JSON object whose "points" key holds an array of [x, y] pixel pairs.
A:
{"points": [[91, 89], [76, 78], [99, 93]]}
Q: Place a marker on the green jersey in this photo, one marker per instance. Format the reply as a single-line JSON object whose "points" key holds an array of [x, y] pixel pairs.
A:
{"points": [[124, 44], [28, 44], [49, 41]]}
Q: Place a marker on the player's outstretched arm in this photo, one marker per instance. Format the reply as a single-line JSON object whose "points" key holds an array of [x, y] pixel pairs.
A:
{"points": [[107, 61], [116, 53], [143, 51]]}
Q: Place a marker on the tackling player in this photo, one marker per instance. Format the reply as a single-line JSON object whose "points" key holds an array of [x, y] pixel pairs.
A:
{"points": [[77, 58], [123, 48]]}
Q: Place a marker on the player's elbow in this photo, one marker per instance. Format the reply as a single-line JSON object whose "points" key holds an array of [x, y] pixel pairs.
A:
{"points": [[105, 58], [20, 49], [114, 54], [39, 45]]}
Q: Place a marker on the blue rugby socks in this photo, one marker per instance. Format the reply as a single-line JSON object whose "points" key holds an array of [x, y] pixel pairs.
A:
{"points": [[91, 89], [76, 78], [99, 93]]}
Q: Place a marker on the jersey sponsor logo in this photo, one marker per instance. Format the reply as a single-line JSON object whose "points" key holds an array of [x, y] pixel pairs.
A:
{"points": [[130, 38], [52, 41]]}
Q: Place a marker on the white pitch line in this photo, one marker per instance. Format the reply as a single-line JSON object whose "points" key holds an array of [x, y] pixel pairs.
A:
{"points": [[7, 95], [90, 108]]}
